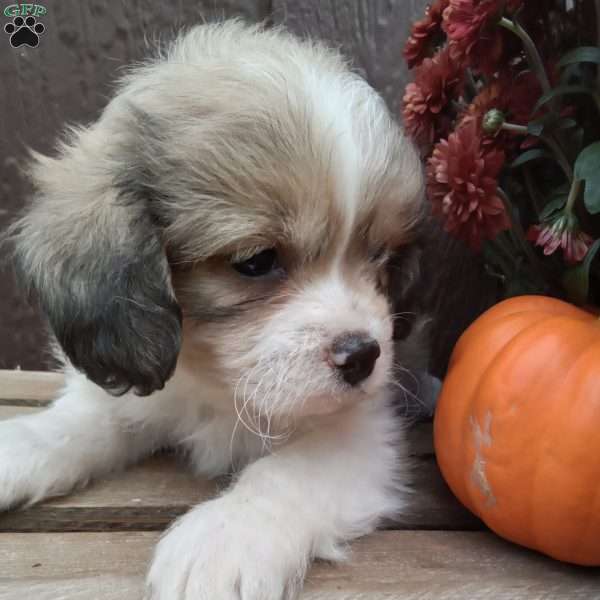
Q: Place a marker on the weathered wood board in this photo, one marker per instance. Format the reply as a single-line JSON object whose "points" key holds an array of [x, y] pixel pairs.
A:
{"points": [[370, 32], [398, 565]]}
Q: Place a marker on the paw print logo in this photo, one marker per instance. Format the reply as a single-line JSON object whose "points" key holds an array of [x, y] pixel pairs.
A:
{"points": [[24, 31]]}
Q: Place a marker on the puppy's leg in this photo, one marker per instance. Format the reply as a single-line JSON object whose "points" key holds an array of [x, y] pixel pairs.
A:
{"points": [[329, 485], [80, 436]]}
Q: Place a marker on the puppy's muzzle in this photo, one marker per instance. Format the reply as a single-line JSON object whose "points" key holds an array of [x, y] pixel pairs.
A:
{"points": [[354, 355]]}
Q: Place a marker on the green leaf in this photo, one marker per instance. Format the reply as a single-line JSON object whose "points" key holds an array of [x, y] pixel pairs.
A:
{"points": [[581, 54], [530, 155], [554, 205], [562, 90], [577, 280], [587, 168]]}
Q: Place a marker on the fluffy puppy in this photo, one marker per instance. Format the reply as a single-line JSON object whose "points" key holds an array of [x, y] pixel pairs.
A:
{"points": [[212, 255]]}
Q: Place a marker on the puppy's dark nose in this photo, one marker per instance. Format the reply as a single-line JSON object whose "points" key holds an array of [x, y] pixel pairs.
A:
{"points": [[354, 355]]}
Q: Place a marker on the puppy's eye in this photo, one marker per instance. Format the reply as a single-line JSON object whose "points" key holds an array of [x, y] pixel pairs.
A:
{"points": [[261, 264]]}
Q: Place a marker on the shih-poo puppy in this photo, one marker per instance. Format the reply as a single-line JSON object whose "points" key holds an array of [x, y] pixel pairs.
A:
{"points": [[219, 258]]}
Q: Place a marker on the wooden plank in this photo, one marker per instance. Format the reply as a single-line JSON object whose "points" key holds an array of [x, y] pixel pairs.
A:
{"points": [[29, 387], [406, 565], [145, 498], [149, 496], [371, 32], [7, 412]]}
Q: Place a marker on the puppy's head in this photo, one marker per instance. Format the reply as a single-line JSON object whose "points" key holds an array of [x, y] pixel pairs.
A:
{"points": [[244, 189]]}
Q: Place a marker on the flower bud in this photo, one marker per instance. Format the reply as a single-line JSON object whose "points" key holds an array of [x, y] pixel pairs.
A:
{"points": [[493, 120]]}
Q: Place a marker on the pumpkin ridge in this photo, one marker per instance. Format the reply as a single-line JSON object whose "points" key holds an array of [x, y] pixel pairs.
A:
{"points": [[466, 406], [471, 488], [536, 304], [586, 509], [537, 530], [474, 491], [498, 314], [529, 329], [486, 325]]}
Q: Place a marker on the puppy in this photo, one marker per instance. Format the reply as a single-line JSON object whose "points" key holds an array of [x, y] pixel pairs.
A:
{"points": [[212, 256]]}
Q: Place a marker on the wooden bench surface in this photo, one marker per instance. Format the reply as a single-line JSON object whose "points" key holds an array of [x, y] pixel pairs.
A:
{"points": [[96, 543]]}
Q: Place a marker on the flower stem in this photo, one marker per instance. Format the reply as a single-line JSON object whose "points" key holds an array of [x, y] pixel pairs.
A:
{"points": [[573, 195], [549, 141], [514, 128], [533, 56]]}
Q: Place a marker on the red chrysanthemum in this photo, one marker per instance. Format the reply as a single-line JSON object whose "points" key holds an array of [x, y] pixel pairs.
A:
{"points": [[464, 20], [437, 81], [562, 232], [424, 34], [475, 38], [463, 187], [514, 97]]}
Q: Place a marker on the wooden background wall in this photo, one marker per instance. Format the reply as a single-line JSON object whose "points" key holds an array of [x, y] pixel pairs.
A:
{"points": [[67, 79]]}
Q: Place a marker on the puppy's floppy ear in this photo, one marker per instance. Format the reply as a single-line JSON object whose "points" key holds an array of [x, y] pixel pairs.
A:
{"points": [[405, 279], [93, 255], [441, 286]]}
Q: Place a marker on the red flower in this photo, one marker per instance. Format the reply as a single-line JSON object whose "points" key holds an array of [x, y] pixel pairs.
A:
{"points": [[465, 20], [463, 187], [423, 36], [563, 233], [437, 80], [475, 39], [514, 97]]}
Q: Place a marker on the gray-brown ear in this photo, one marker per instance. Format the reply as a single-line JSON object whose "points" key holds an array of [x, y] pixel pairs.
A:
{"points": [[405, 280], [93, 256], [441, 286]]}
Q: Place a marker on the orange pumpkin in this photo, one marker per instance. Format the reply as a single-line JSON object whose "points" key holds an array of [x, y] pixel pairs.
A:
{"points": [[517, 426]]}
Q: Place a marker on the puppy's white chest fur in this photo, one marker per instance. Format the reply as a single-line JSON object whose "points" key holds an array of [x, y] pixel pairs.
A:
{"points": [[206, 426]]}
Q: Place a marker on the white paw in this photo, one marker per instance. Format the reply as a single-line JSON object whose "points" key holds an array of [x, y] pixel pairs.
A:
{"points": [[229, 549], [19, 461], [36, 461]]}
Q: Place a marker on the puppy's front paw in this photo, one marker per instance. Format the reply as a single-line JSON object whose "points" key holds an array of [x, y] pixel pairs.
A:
{"points": [[228, 549], [23, 477]]}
